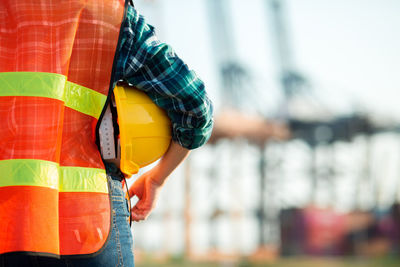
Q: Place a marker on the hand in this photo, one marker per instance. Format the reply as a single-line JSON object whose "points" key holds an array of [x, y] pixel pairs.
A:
{"points": [[148, 186], [147, 190]]}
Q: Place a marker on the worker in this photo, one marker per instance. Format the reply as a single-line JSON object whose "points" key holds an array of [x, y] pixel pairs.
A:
{"points": [[59, 61]]}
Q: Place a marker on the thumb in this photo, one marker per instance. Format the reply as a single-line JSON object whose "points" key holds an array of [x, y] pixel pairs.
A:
{"points": [[137, 188]]}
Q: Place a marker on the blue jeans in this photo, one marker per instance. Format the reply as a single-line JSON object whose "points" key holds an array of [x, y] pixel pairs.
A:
{"points": [[117, 252]]}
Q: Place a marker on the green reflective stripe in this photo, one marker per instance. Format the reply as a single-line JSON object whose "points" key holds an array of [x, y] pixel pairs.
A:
{"points": [[84, 99], [31, 172], [41, 84], [28, 172], [78, 179], [55, 86]]}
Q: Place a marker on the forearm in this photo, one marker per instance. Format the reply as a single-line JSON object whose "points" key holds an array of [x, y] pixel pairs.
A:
{"points": [[169, 162]]}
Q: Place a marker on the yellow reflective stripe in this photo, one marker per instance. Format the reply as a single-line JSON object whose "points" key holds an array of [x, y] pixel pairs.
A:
{"points": [[31, 172], [84, 99], [41, 84], [28, 172], [78, 179], [55, 86]]}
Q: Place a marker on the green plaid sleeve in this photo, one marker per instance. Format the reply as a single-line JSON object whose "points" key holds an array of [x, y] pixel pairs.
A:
{"points": [[154, 68]]}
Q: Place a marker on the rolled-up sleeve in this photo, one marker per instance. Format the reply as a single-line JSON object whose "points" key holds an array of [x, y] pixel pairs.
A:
{"points": [[153, 67]]}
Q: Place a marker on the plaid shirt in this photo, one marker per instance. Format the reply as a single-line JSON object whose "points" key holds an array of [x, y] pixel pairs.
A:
{"points": [[154, 68]]}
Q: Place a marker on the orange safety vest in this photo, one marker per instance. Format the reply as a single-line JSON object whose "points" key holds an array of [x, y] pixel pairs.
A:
{"points": [[56, 64]]}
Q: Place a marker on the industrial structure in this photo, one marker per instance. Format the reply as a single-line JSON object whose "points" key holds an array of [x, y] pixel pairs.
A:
{"points": [[332, 151]]}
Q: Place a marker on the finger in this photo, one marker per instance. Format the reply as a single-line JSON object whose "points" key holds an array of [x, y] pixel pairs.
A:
{"points": [[138, 215], [142, 204], [137, 218], [135, 190], [140, 211], [132, 192]]}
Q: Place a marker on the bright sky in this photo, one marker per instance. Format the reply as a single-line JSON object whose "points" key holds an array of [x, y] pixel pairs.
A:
{"points": [[349, 50]]}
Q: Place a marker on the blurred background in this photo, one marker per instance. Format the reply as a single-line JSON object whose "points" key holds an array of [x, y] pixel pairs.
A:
{"points": [[303, 165]]}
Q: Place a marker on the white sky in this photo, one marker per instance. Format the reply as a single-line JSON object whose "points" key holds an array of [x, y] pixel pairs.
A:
{"points": [[348, 49]]}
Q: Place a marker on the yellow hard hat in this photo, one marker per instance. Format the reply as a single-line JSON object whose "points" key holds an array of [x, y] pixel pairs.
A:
{"points": [[145, 129]]}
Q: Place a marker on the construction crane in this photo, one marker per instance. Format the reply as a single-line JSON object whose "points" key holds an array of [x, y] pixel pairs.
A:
{"points": [[234, 75], [292, 81], [235, 80]]}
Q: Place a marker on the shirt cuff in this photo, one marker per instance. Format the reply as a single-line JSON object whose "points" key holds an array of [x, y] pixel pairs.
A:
{"points": [[192, 138]]}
